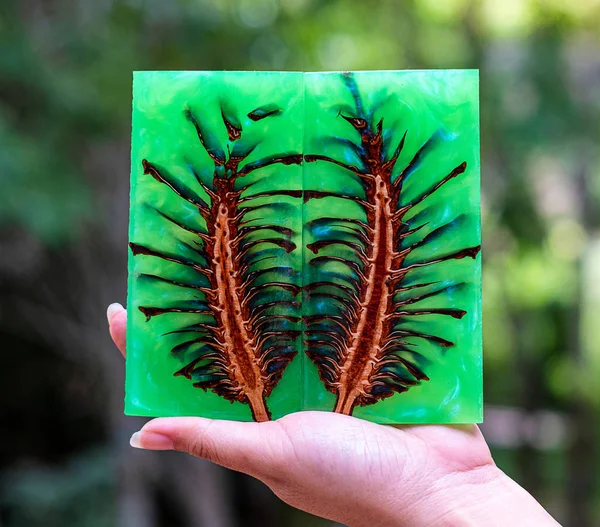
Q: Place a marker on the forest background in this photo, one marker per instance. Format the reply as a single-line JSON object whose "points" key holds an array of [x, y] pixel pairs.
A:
{"points": [[65, 106]]}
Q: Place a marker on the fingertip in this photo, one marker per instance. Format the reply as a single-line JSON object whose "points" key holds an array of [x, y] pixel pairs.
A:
{"points": [[151, 441], [134, 441], [117, 325], [176, 427], [185, 433], [112, 310]]}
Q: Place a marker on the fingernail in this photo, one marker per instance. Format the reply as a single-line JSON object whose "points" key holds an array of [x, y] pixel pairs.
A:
{"points": [[151, 441], [112, 309]]}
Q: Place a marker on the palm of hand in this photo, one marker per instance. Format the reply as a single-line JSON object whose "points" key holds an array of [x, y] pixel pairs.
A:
{"points": [[323, 462], [340, 467]]}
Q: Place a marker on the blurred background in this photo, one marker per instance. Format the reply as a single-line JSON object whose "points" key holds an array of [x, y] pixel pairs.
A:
{"points": [[65, 84]]}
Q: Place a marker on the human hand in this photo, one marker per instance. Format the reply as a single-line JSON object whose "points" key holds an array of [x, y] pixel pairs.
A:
{"points": [[353, 471]]}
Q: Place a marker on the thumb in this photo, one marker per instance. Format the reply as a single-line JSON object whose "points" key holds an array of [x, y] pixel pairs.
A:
{"points": [[252, 448]]}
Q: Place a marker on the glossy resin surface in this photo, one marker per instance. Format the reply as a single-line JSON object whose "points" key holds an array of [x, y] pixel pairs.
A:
{"points": [[305, 241]]}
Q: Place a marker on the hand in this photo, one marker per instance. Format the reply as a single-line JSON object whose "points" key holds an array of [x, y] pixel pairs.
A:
{"points": [[353, 471]]}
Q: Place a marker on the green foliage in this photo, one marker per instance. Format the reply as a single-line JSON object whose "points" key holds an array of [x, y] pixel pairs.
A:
{"points": [[62, 496], [65, 77]]}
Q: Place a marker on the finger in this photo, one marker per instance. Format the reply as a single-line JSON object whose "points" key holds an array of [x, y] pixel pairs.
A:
{"points": [[252, 448], [117, 325]]}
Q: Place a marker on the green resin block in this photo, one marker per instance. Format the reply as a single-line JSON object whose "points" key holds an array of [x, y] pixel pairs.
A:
{"points": [[305, 242], [391, 245], [216, 245]]}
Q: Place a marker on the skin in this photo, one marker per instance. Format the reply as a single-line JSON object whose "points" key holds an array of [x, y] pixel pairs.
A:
{"points": [[352, 471]]}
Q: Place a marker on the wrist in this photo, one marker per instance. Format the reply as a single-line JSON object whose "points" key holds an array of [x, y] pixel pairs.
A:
{"points": [[483, 497]]}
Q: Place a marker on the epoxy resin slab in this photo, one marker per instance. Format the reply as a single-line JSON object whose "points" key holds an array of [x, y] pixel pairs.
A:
{"points": [[305, 241]]}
